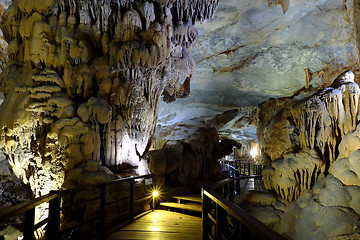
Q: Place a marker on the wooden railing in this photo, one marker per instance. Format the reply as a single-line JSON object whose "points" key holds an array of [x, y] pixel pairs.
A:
{"points": [[100, 222], [223, 219], [241, 168], [248, 169]]}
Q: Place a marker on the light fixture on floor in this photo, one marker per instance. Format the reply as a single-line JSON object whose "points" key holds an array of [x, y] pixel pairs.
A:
{"points": [[155, 194]]}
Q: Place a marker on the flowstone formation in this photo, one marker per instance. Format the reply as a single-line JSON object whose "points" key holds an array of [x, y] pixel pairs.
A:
{"points": [[84, 80], [300, 136], [310, 152]]}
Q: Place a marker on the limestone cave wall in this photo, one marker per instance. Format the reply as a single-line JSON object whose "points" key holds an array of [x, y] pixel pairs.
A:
{"points": [[310, 152], [84, 80], [300, 135]]}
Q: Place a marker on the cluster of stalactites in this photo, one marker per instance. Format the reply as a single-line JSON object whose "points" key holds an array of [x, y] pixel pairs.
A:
{"points": [[327, 116], [135, 35], [102, 63], [300, 137], [290, 176]]}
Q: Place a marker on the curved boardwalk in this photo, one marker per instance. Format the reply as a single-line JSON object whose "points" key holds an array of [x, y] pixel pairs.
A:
{"points": [[161, 225]]}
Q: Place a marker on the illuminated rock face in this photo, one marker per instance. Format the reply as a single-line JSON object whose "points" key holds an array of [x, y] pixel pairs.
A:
{"points": [[300, 136], [253, 51], [310, 151], [85, 78]]}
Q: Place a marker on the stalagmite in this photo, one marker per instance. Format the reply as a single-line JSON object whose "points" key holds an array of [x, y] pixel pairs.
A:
{"points": [[315, 124]]}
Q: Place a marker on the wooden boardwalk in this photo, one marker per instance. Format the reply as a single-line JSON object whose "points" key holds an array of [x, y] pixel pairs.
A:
{"points": [[161, 225], [164, 225], [247, 185]]}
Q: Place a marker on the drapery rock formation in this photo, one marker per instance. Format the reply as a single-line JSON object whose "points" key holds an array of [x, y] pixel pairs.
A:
{"points": [[315, 174], [300, 136], [84, 80]]}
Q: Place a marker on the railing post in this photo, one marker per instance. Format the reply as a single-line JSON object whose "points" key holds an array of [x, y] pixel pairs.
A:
{"points": [[217, 227], [29, 224], [225, 188], [249, 169], [205, 220], [102, 211], [220, 221], [232, 191], [132, 200], [53, 231], [237, 182]]}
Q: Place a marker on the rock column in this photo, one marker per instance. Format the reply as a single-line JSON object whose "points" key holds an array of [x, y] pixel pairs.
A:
{"points": [[84, 80]]}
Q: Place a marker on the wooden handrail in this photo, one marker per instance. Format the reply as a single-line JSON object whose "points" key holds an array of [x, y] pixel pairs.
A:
{"points": [[53, 198], [254, 225], [18, 209], [221, 183], [217, 208], [242, 168]]}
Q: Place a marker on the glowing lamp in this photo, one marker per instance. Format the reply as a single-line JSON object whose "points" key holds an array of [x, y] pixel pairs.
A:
{"points": [[154, 195], [253, 152]]}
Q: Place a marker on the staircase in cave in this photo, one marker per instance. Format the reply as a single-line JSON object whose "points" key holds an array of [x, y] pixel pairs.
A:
{"points": [[189, 204]]}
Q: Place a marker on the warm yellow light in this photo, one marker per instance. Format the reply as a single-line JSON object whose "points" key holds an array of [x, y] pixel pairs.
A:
{"points": [[155, 193], [155, 228], [254, 152]]}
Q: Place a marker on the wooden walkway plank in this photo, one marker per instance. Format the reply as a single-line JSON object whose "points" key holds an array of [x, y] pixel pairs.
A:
{"points": [[195, 208], [161, 224], [192, 198]]}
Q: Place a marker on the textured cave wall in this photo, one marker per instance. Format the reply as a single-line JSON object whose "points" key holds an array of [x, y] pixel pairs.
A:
{"points": [[310, 152], [266, 51], [253, 51], [299, 136], [84, 80], [184, 166]]}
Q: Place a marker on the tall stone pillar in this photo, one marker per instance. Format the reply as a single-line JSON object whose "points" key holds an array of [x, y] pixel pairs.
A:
{"points": [[85, 78]]}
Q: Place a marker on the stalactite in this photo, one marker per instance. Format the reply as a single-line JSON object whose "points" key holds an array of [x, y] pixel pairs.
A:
{"points": [[97, 67], [319, 123]]}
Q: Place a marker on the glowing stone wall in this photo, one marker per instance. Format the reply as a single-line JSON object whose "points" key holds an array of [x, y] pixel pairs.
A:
{"points": [[84, 80], [310, 152], [300, 137]]}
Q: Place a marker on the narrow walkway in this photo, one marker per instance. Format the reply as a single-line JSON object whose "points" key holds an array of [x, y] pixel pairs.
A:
{"points": [[247, 185], [164, 225], [161, 225]]}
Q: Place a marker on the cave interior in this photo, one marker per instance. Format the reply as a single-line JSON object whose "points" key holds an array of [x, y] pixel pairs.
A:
{"points": [[93, 91]]}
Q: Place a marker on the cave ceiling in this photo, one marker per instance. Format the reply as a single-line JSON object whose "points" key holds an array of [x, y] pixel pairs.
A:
{"points": [[253, 51], [256, 50]]}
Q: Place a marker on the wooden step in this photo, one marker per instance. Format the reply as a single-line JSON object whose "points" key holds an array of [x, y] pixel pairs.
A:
{"points": [[190, 198], [189, 207]]}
